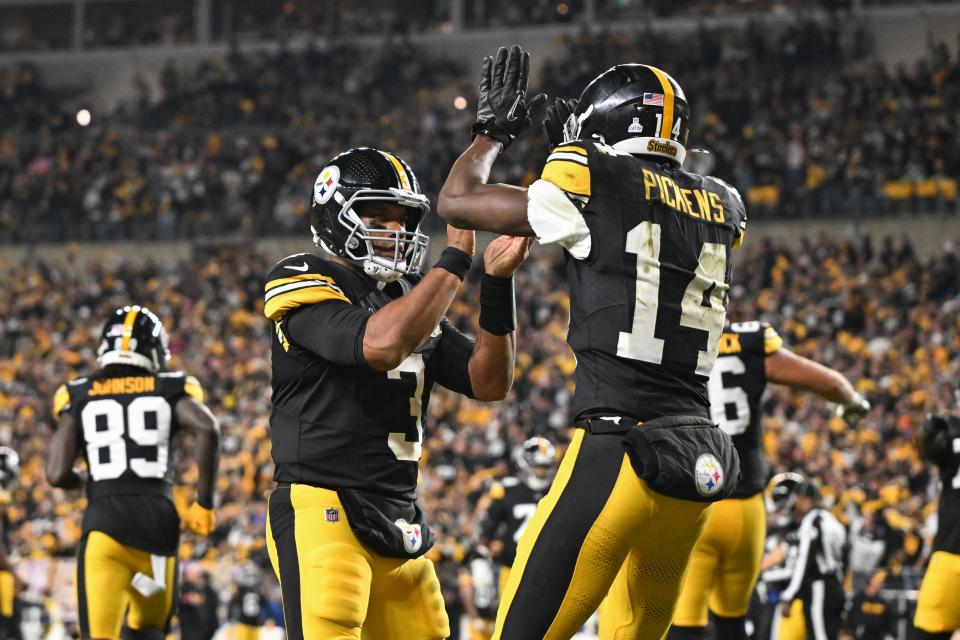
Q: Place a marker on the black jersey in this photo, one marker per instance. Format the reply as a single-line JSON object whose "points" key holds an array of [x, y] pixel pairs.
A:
{"points": [[345, 425], [512, 505], [648, 251], [948, 514], [736, 387], [247, 607], [126, 423]]}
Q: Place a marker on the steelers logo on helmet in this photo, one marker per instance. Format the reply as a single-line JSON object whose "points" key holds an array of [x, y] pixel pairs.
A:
{"points": [[364, 175], [326, 184], [634, 108], [709, 475]]}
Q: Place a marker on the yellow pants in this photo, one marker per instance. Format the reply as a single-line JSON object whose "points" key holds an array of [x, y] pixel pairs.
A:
{"points": [[792, 627], [247, 632], [104, 593], [7, 593], [725, 564], [938, 605], [334, 588], [599, 519]]}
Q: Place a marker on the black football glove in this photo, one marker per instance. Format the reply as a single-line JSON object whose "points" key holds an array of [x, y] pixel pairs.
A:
{"points": [[502, 110], [855, 410], [555, 124]]}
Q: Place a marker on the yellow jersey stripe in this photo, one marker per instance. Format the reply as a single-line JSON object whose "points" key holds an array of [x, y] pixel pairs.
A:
{"points": [[668, 99], [771, 340], [191, 386], [739, 239], [570, 149], [401, 172], [572, 177], [307, 276], [128, 328], [60, 400], [278, 306]]}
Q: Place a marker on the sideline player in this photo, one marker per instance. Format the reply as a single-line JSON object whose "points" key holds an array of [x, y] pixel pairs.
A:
{"points": [[938, 607], [648, 254], [122, 419], [513, 501], [726, 562], [359, 340]]}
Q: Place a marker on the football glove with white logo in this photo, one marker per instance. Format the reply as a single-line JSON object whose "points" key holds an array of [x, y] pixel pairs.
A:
{"points": [[502, 109]]}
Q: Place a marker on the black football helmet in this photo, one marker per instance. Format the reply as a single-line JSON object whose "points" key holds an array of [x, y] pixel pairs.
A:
{"points": [[9, 468], [783, 490], [359, 175], [634, 108], [537, 462], [134, 336]]}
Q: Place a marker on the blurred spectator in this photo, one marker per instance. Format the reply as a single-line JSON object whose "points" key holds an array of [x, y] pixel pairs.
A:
{"points": [[871, 616], [199, 603]]}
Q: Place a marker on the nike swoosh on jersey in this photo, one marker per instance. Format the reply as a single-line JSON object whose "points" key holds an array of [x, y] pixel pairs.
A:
{"points": [[302, 267]]}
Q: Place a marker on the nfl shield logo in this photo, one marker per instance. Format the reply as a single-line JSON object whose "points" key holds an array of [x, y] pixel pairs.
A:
{"points": [[332, 515]]}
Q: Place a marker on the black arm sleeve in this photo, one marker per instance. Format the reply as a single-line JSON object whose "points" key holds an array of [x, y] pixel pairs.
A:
{"points": [[451, 362], [332, 330]]}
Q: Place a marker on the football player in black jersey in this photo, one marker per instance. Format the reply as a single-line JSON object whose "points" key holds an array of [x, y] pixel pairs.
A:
{"points": [[512, 502], [10, 582], [359, 340], [122, 420], [938, 606], [726, 562], [648, 254]]}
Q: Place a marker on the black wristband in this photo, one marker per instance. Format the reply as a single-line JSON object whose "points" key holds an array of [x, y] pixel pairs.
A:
{"points": [[203, 502], [491, 131], [455, 261], [498, 311]]}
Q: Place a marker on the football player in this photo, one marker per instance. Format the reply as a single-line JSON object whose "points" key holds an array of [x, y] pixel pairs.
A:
{"points": [[512, 502], [10, 582], [812, 548], [359, 340], [248, 604], [648, 255], [478, 592], [726, 562], [938, 608], [122, 419]]}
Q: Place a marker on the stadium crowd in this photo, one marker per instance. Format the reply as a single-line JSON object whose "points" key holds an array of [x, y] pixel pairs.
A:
{"points": [[876, 311], [227, 147]]}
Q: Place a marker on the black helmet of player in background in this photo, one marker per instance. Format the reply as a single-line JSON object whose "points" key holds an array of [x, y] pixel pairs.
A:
{"points": [[634, 108], [9, 468], [783, 490], [536, 461], [134, 336], [360, 175]]}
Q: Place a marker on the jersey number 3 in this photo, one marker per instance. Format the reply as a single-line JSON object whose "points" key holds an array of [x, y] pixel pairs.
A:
{"points": [[104, 425], [700, 308]]}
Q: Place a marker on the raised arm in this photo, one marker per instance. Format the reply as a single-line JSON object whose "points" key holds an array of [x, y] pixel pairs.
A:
{"points": [[503, 112], [394, 331]]}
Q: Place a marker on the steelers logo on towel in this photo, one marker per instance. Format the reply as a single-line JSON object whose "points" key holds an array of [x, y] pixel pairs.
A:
{"points": [[326, 184], [709, 475], [412, 535]]}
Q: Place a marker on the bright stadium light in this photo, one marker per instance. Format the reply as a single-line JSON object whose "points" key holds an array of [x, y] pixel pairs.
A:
{"points": [[83, 117], [460, 103]]}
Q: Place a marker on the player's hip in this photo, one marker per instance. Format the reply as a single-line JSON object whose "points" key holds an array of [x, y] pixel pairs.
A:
{"points": [[149, 523], [733, 524]]}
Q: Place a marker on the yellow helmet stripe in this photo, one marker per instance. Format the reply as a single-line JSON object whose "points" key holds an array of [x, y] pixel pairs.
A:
{"points": [[401, 172], [128, 328], [668, 100]]}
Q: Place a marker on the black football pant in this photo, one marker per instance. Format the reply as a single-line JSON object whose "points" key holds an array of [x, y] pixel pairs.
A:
{"points": [[823, 603]]}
